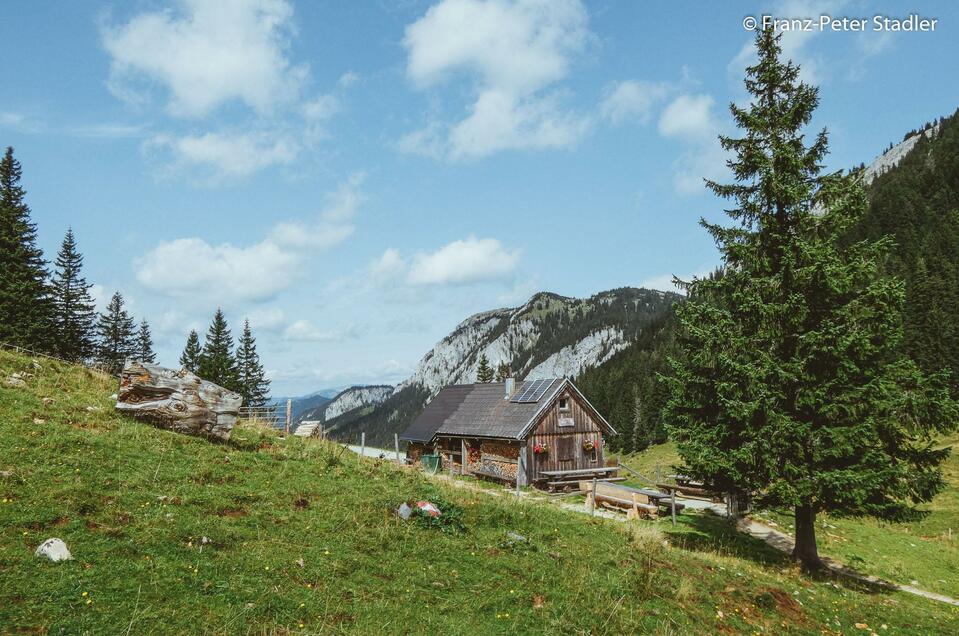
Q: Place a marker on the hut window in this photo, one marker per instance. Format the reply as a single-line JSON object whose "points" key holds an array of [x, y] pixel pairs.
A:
{"points": [[564, 404]]}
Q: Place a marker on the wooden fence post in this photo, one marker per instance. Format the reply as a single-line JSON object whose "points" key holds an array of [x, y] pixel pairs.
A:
{"points": [[289, 415], [592, 507], [396, 447], [463, 455], [362, 444]]}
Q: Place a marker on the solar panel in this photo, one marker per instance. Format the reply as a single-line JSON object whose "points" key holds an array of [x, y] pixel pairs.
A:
{"points": [[532, 391]]}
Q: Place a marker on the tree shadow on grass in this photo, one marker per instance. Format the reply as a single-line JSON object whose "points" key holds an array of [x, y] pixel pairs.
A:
{"points": [[710, 533]]}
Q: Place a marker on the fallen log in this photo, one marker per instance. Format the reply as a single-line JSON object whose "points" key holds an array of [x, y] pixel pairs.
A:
{"points": [[179, 401]]}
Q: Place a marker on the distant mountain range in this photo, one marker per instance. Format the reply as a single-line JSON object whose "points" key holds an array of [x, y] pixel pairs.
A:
{"points": [[548, 336], [347, 400], [304, 403]]}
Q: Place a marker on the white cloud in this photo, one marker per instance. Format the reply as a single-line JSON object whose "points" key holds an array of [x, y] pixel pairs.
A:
{"points": [[515, 51], [705, 160], [664, 282], [305, 331], [206, 53], [389, 267], [794, 43], [348, 78], [19, 122], [690, 119], [632, 100], [108, 131], [321, 109], [226, 274], [268, 319], [223, 156], [688, 116], [462, 262]]}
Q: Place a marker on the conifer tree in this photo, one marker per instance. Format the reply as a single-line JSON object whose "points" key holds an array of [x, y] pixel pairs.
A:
{"points": [[484, 373], [25, 302], [791, 388], [74, 311], [144, 351], [503, 372], [217, 362], [190, 358], [254, 387], [117, 336]]}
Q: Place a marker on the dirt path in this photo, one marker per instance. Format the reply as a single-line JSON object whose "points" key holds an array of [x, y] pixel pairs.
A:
{"points": [[784, 543], [747, 525]]}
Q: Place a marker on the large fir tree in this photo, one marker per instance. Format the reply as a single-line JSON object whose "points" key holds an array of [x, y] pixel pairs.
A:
{"points": [[25, 302], [503, 372], [791, 388], [217, 362], [117, 336], [254, 387], [484, 373], [74, 311], [144, 351], [190, 358]]}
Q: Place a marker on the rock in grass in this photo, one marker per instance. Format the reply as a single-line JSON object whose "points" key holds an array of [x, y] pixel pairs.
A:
{"points": [[14, 382], [54, 549], [177, 400]]}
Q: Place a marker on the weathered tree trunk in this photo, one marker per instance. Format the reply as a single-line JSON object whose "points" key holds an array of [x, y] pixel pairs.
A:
{"points": [[805, 550], [177, 400]]}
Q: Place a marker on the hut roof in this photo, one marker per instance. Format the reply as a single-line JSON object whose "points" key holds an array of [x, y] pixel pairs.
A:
{"points": [[482, 410]]}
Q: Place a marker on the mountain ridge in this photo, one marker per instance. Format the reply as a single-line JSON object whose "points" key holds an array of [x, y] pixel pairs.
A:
{"points": [[549, 335]]}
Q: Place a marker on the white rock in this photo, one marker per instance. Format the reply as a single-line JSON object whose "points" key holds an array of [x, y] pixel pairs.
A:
{"points": [[356, 397], [54, 549], [14, 382]]}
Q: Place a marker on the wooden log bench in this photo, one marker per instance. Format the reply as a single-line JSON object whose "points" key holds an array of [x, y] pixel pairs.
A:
{"points": [[488, 474]]}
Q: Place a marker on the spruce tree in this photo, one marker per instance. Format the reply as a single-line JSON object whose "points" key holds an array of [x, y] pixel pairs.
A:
{"points": [[190, 358], [503, 372], [74, 311], [117, 336], [217, 363], [484, 373], [791, 387], [25, 302], [254, 387], [144, 351]]}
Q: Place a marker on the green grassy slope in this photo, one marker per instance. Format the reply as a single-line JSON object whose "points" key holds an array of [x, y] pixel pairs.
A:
{"points": [[926, 551], [133, 503]]}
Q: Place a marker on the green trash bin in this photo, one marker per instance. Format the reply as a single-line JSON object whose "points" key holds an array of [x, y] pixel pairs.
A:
{"points": [[431, 462]]}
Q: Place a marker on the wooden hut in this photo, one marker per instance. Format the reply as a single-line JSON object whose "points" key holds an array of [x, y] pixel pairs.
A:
{"points": [[536, 432]]}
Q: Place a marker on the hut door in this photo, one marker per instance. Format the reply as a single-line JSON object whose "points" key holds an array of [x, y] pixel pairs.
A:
{"points": [[564, 449]]}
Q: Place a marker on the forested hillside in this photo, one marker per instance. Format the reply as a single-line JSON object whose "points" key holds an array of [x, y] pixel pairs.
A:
{"points": [[917, 203]]}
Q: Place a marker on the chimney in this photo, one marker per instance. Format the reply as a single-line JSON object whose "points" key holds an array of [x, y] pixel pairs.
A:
{"points": [[510, 386]]}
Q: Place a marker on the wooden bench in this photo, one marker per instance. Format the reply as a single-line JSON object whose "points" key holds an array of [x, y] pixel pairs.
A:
{"points": [[567, 480], [636, 501]]}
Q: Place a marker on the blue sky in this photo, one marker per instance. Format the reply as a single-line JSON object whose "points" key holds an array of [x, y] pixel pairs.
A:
{"points": [[356, 178]]}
